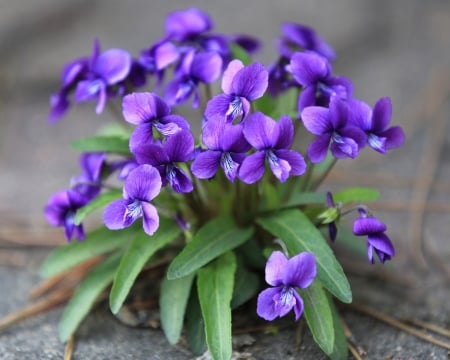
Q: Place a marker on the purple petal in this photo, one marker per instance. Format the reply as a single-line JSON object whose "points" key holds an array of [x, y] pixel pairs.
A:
{"points": [[317, 150], [300, 270], [295, 160], [180, 146], [179, 90], [359, 114], [88, 90], [266, 306], [230, 164], [143, 107], [141, 135], [206, 164], [165, 54], [377, 143], [395, 137], [206, 67], [114, 213], [113, 65], [308, 68], [153, 154], [183, 24], [143, 183], [307, 98], [59, 104], [368, 225], [279, 167], [91, 164], [150, 218], [252, 168], [251, 81], [233, 139], [276, 268], [228, 75], [344, 147], [260, 130], [72, 70], [102, 97], [179, 181], [218, 105], [285, 134], [382, 244], [354, 133], [382, 113], [317, 120], [298, 307], [56, 208]]}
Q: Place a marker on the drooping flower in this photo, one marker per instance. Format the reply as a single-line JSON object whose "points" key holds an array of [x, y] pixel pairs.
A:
{"points": [[226, 147], [165, 156], [285, 275], [314, 73], [272, 141], [330, 216], [141, 186], [184, 25], [379, 136], [88, 183], [61, 209], [241, 85], [335, 125], [377, 240], [148, 111]]}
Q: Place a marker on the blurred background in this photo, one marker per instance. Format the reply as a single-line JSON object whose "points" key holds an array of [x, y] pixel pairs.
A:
{"points": [[390, 48]]}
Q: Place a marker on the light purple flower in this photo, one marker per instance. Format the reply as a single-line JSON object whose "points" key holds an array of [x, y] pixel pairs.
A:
{"points": [[196, 68], [272, 141], [89, 182], [148, 111], [314, 73], [241, 85], [285, 275], [226, 147], [142, 185], [377, 240], [187, 24], [177, 148], [335, 125]]}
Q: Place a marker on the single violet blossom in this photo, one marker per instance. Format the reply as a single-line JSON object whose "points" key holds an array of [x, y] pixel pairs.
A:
{"points": [[88, 183], [336, 126], [178, 148], [148, 111], [272, 141], [314, 73], [186, 25], [141, 186], [61, 209], [285, 275], [195, 68], [377, 240], [241, 85], [226, 148]]}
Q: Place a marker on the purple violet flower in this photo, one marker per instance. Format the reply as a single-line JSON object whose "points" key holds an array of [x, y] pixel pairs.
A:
{"points": [[142, 185], [61, 209], [272, 141], [183, 25], [332, 228], [335, 125], [177, 148], [105, 70], [241, 85], [313, 72], [148, 111], [226, 147], [195, 68], [285, 275], [379, 136], [89, 182], [377, 240]]}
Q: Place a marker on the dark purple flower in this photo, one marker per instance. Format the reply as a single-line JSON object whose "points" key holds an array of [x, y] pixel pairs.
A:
{"points": [[241, 85], [248, 43], [272, 141], [335, 125], [177, 148], [226, 147], [279, 78], [313, 72], [377, 240], [61, 209], [379, 136], [332, 228], [201, 67], [148, 111], [285, 275], [301, 37], [187, 24], [105, 70], [89, 182], [142, 185]]}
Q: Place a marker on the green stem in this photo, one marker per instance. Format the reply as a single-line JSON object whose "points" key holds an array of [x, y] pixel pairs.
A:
{"points": [[322, 177]]}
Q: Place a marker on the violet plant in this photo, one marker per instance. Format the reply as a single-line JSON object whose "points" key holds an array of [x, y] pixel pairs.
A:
{"points": [[229, 190]]}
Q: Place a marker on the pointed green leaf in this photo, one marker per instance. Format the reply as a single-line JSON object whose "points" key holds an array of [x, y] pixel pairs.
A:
{"points": [[246, 285], [214, 239], [300, 234], [356, 194], [136, 256], [97, 242], [215, 288], [173, 299], [340, 349], [195, 326], [85, 296], [103, 143], [98, 202], [318, 316], [305, 198]]}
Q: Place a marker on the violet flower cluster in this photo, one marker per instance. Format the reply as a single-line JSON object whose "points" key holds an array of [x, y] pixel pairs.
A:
{"points": [[239, 146]]}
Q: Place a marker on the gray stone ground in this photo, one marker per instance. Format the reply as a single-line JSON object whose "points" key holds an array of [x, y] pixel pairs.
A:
{"points": [[396, 48]]}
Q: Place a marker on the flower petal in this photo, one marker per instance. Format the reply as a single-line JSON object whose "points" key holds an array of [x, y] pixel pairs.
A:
{"points": [[251, 81], [260, 130], [382, 113], [218, 105], [307, 98], [150, 218], [266, 306], [180, 146], [276, 268], [317, 120], [382, 243], [206, 66], [285, 134], [143, 183], [298, 307], [113, 65], [295, 160], [395, 137], [228, 75], [317, 150], [206, 164], [367, 226], [308, 68], [252, 168], [143, 107], [114, 213], [300, 270]]}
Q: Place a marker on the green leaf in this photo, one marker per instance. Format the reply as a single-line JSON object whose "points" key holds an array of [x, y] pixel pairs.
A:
{"points": [[340, 350], [305, 198], [356, 194], [238, 52], [300, 234], [173, 299], [85, 296], [215, 288], [195, 326], [318, 316], [214, 239], [97, 242], [103, 143], [98, 202], [350, 241], [136, 256], [246, 285]]}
